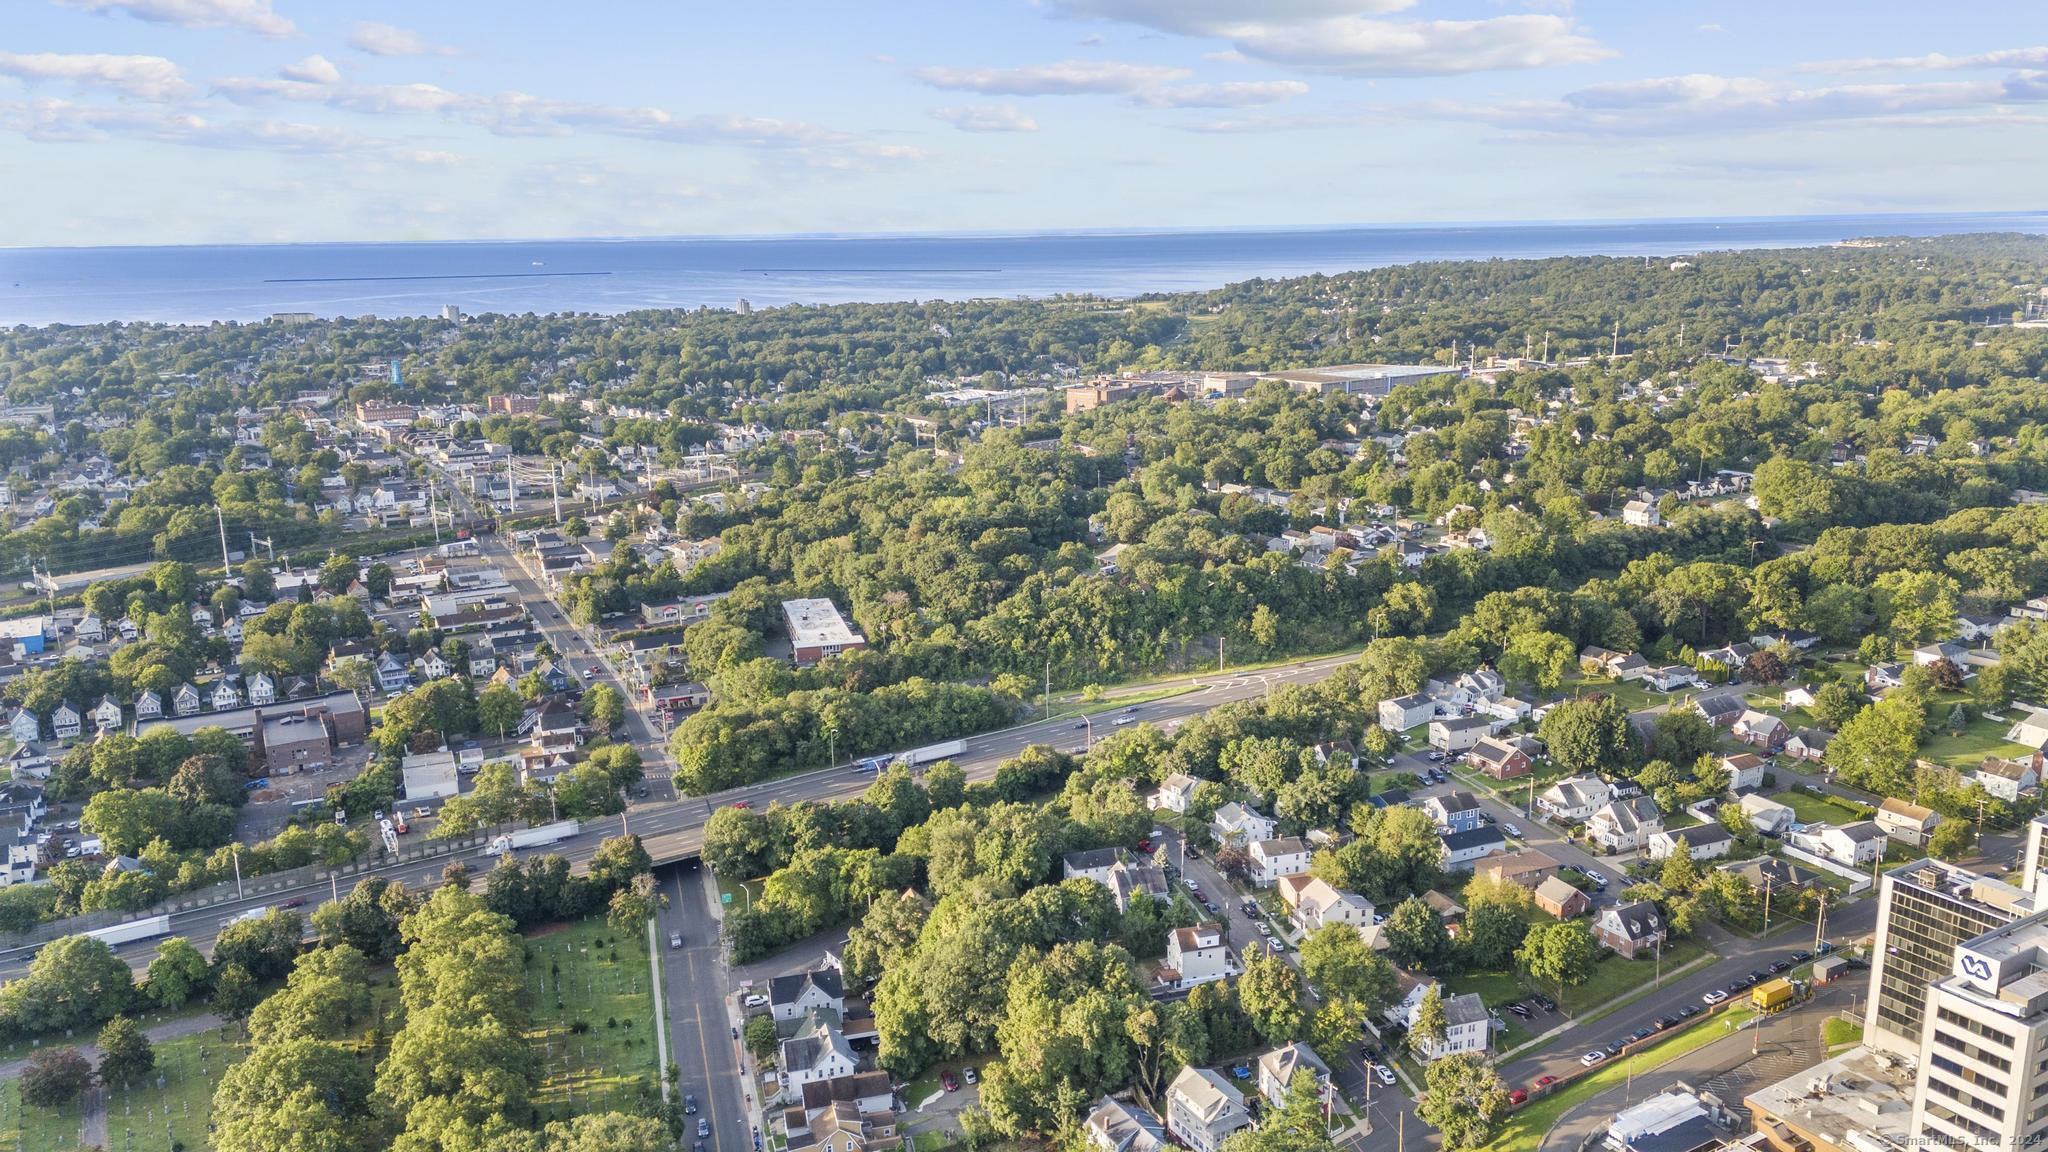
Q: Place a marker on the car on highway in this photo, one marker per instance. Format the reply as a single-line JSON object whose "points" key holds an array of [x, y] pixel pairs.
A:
{"points": [[294, 902], [1123, 720], [1081, 726], [1715, 997], [741, 804], [675, 941], [703, 1127], [1593, 1057]]}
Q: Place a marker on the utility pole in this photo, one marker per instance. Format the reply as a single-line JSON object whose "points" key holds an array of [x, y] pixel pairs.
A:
{"points": [[1614, 353], [227, 570], [432, 513], [1047, 707], [555, 487]]}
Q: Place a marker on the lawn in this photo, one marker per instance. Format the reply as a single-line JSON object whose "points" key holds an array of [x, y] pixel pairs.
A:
{"points": [[36, 1127], [1840, 1033], [177, 1112], [1615, 978], [593, 1020], [1811, 809], [1979, 738], [1526, 1127]]}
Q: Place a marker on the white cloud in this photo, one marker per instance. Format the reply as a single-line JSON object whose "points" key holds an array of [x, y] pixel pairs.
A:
{"points": [[145, 77], [379, 39], [1343, 36], [66, 121], [1704, 104], [1236, 94], [1936, 62], [1068, 78], [245, 15], [986, 118], [1254, 125], [314, 69]]}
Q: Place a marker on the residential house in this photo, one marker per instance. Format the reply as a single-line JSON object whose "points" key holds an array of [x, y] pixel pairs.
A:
{"points": [[106, 715], [821, 989], [1760, 730], [1235, 823], [1458, 850], [1203, 1109], [1338, 752], [1801, 695], [1277, 1068], [1720, 710], [1457, 734], [2031, 730], [1272, 859], [1730, 656], [1131, 880], [1454, 811], [1506, 709], [1467, 1027], [1561, 900], [1093, 864], [1770, 872], [1701, 842], [2005, 779], [1625, 824], [392, 675], [1630, 929], [1528, 867], [1850, 845], [1115, 1126], [1745, 771], [65, 721], [25, 727], [1405, 712], [1194, 956], [1935, 653], [1982, 628], [1313, 902], [1767, 815], [1671, 677], [817, 1050], [1909, 824], [186, 701], [1175, 792], [1574, 798], [262, 689], [1499, 759], [1808, 744], [226, 695], [839, 1125], [90, 629]]}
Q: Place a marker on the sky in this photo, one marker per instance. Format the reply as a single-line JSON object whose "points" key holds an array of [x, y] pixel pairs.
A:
{"points": [[139, 122]]}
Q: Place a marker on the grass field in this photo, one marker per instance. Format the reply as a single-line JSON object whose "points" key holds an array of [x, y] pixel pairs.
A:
{"points": [[1612, 979], [593, 1020], [1813, 809], [1840, 1033], [1980, 738], [190, 1066]]}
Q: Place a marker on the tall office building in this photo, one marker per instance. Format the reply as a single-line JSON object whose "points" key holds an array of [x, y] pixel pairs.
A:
{"points": [[1926, 911], [1982, 1077]]}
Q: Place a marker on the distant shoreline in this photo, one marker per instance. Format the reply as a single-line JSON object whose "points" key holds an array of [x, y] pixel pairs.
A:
{"points": [[424, 276]]}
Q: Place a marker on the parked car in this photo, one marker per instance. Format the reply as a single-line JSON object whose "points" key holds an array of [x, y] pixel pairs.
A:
{"points": [[1593, 1057], [1518, 1096], [947, 1082], [1641, 1034], [1275, 946], [1715, 997], [1778, 966], [1512, 830], [1385, 1074], [1689, 1011], [1519, 1010], [1545, 1081], [1801, 956], [756, 1000], [1546, 1003], [972, 1076]]}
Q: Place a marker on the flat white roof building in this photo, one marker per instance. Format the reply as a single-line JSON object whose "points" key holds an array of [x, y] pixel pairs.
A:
{"points": [[817, 630]]}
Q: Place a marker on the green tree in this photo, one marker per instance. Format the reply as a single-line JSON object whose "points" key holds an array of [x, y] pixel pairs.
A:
{"points": [[1834, 704], [1416, 937], [603, 707], [1561, 955], [326, 996], [1681, 875], [619, 860], [1430, 1026], [73, 982], [760, 1038], [633, 905], [1952, 840], [177, 973], [234, 994], [1465, 1100], [499, 709], [1590, 734], [1682, 736], [1270, 992], [304, 1095], [1342, 966], [125, 1053]]}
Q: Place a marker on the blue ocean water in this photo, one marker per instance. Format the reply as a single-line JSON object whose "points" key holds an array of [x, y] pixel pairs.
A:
{"points": [[205, 283]]}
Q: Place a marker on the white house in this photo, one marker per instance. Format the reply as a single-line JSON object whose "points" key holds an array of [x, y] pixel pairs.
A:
{"points": [[25, 727], [1196, 955], [1467, 1026], [1745, 771], [226, 696], [1625, 824], [1701, 842], [1457, 850], [1094, 864], [148, 705], [789, 997], [185, 701], [1851, 845], [1203, 1109], [1671, 677], [1278, 1066], [1272, 859], [65, 722], [1405, 712], [1175, 792], [1235, 823], [1457, 734], [816, 1051], [2006, 779], [1574, 798], [106, 715], [2030, 730], [1116, 1126], [1641, 514], [1313, 902], [262, 689], [1767, 815], [1910, 824]]}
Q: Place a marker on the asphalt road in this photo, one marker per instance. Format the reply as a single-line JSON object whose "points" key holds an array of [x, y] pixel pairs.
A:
{"points": [[700, 1030]]}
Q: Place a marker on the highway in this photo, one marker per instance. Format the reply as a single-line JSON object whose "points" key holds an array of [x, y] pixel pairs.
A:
{"points": [[672, 828]]}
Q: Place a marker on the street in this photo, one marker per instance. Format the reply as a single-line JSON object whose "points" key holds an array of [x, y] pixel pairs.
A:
{"points": [[700, 1029]]}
